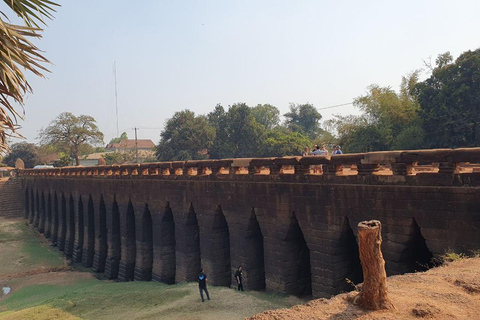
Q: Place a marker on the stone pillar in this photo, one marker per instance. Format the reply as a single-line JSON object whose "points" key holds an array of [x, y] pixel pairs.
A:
{"points": [[89, 233], [100, 237], [128, 248], [62, 228], [187, 241], [215, 248], [113, 240], [164, 247], [70, 227], [79, 232]]}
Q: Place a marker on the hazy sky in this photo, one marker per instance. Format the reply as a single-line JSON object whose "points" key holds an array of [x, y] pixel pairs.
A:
{"points": [[174, 55]]}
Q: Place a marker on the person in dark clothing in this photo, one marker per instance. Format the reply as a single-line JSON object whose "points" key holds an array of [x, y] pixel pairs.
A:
{"points": [[202, 285], [239, 278]]}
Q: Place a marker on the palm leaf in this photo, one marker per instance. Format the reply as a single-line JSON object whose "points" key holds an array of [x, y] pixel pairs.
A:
{"points": [[18, 54]]}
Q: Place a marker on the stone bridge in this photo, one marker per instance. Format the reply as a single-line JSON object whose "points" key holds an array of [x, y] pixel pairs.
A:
{"points": [[290, 222]]}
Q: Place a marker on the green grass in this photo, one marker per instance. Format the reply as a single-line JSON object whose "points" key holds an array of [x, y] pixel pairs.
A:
{"points": [[24, 250], [94, 299], [62, 295]]}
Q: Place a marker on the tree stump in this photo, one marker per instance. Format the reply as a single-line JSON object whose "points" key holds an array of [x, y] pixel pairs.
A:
{"points": [[374, 293]]}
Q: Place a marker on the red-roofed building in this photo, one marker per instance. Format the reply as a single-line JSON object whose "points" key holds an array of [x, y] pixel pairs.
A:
{"points": [[146, 148]]}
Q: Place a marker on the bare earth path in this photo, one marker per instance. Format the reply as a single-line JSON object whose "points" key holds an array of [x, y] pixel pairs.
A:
{"points": [[447, 292]]}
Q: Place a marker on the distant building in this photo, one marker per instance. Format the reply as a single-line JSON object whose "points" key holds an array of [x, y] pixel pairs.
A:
{"points": [[92, 159], [146, 148]]}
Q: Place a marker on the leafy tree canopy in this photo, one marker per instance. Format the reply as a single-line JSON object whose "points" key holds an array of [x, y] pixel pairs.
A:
{"points": [[185, 136], [123, 136], [25, 151], [303, 118], [72, 134], [450, 101]]}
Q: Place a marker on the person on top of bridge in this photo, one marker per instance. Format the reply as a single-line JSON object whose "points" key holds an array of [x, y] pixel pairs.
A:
{"points": [[337, 150], [319, 151]]}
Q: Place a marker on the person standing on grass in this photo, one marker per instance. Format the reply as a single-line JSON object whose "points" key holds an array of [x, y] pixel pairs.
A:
{"points": [[239, 278], [202, 285]]}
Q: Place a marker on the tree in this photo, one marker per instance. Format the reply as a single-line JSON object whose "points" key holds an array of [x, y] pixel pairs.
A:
{"points": [[390, 120], [238, 134], [450, 102], [19, 54], [185, 136], [70, 133], [303, 118], [280, 142], [25, 151], [267, 115], [123, 136]]}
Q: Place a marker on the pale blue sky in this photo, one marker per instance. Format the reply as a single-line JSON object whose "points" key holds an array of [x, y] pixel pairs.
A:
{"points": [[173, 55]]}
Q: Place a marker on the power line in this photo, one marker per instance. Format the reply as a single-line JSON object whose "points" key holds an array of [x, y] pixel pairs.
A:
{"points": [[335, 106]]}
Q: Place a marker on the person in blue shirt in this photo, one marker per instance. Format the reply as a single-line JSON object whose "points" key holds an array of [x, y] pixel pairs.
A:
{"points": [[336, 150], [202, 285]]}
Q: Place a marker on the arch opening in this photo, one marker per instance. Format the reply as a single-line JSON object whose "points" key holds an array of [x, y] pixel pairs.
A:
{"points": [[55, 220], [101, 246], [27, 204], [254, 255], [299, 277], [89, 235], [421, 256], [350, 266], [127, 263], [41, 223], [49, 219], [79, 233], [144, 265], [167, 247], [63, 223], [70, 235], [114, 243]]}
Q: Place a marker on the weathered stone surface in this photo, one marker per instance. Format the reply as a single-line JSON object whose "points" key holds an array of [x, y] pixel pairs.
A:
{"points": [[290, 232]]}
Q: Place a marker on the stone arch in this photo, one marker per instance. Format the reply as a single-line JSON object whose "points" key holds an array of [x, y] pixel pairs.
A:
{"points": [[114, 242], [36, 220], [253, 257], [63, 223], [31, 214], [348, 264], [79, 233], [421, 258], [187, 239], [89, 235], [164, 249], [101, 246], [27, 204], [41, 222], [144, 263], [216, 249], [54, 235], [127, 262], [298, 277], [49, 217], [70, 235]]}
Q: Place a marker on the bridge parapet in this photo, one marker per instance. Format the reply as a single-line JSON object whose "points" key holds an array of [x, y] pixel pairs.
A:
{"points": [[407, 167]]}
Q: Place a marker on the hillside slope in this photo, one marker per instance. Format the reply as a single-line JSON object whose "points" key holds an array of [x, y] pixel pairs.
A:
{"points": [[451, 291]]}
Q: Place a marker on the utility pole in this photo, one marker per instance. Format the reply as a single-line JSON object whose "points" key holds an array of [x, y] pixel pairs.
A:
{"points": [[116, 96], [136, 145]]}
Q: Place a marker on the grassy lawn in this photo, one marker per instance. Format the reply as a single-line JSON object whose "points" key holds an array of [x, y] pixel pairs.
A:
{"points": [[23, 250], [79, 295]]}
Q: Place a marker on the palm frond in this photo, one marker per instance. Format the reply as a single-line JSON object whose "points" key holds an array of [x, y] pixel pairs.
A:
{"points": [[32, 12]]}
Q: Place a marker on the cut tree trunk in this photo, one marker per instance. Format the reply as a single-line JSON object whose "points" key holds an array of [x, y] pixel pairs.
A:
{"points": [[374, 293]]}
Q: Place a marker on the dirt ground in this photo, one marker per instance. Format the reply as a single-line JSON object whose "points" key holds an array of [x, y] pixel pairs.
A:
{"points": [[451, 291]]}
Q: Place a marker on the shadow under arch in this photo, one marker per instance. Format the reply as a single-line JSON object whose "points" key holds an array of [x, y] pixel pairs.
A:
{"points": [[89, 234], [166, 249], [144, 258], [128, 239], [299, 279]]}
